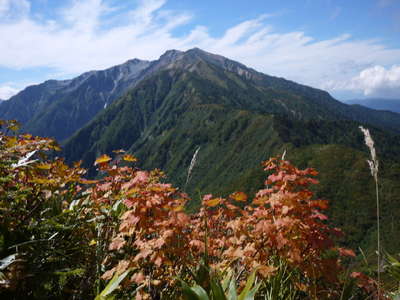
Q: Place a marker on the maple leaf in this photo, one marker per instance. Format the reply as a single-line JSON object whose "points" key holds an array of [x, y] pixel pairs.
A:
{"points": [[158, 261], [285, 210], [138, 278], [122, 266], [266, 271], [197, 244], [207, 197], [108, 274], [238, 196], [275, 177], [346, 252], [102, 159], [321, 204], [144, 253], [264, 192], [318, 215], [141, 176], [158, 243], [117, 243], [86, 181], [130, 158], [212, 202]]}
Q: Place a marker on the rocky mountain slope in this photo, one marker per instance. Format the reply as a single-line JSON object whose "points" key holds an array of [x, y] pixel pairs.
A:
{"points": [[59, 108]]}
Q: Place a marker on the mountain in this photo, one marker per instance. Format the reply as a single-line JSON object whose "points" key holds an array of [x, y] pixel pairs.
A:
{"points": [[239, 117], [59, 108], [379, 104]]}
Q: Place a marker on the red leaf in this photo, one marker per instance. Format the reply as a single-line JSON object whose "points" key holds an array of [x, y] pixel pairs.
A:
{"points": [[346, 252]]}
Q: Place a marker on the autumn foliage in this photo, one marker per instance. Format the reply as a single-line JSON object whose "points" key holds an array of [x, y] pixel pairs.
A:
{"points": [[128, 221]]}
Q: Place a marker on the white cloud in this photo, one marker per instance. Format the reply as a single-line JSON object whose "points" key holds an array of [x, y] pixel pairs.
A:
{"points": [[7, 91], [10, 9], [374, 81], [94, 34]]}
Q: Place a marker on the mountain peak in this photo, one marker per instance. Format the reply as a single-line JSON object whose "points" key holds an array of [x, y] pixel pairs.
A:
{"points": [[171, 54], [193, 53], [188, 60], [198, 51], [134, 61]]}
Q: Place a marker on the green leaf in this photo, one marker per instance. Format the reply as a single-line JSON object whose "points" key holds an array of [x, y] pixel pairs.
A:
{"points": [[232, 293], [250, 295], [245, 294], [5, 262], [111, 286], [218, 292], [227, 279], [195, 292]]}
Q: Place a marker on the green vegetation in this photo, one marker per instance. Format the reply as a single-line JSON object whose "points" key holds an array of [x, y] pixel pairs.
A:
{"points": [[127, 235], [63, 236]]}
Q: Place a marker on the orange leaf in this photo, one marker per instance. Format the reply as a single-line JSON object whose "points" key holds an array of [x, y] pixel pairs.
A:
{"points": [[239, 196], [212, 202], [109, 274], [138, 278], [117, 243], [128, 157], [178, 208], [133, 191], [102, 159], [43, 166], [346, 252], [266, 271], [122, 266], [119, 151], [86, 181], [260, 200]]}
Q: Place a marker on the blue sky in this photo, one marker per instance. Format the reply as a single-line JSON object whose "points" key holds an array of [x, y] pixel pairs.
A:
{"points": [[349, 48]]}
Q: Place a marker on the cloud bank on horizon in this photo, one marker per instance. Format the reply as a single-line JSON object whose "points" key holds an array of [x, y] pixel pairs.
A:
{"points": [[96, 34]]}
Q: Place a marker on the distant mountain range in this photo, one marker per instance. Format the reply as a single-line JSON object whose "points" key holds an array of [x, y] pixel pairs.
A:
{"points": [[164, 110], [376, 103], [59, 108]]}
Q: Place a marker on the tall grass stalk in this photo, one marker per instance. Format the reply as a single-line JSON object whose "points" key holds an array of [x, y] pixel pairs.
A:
{"points": [[373, 166], [191, 166]]}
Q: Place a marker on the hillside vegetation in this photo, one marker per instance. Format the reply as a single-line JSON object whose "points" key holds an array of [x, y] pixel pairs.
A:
{"points": [[127, 234]]}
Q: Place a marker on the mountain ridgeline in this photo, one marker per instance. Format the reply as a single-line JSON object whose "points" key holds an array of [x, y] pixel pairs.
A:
{"points": [[163, 111], [377, 103], [59, 108]]}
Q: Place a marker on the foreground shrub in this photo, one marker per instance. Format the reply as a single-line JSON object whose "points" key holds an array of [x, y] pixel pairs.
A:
{"points": [[159, 242], [126, 234], [42, 240]]}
